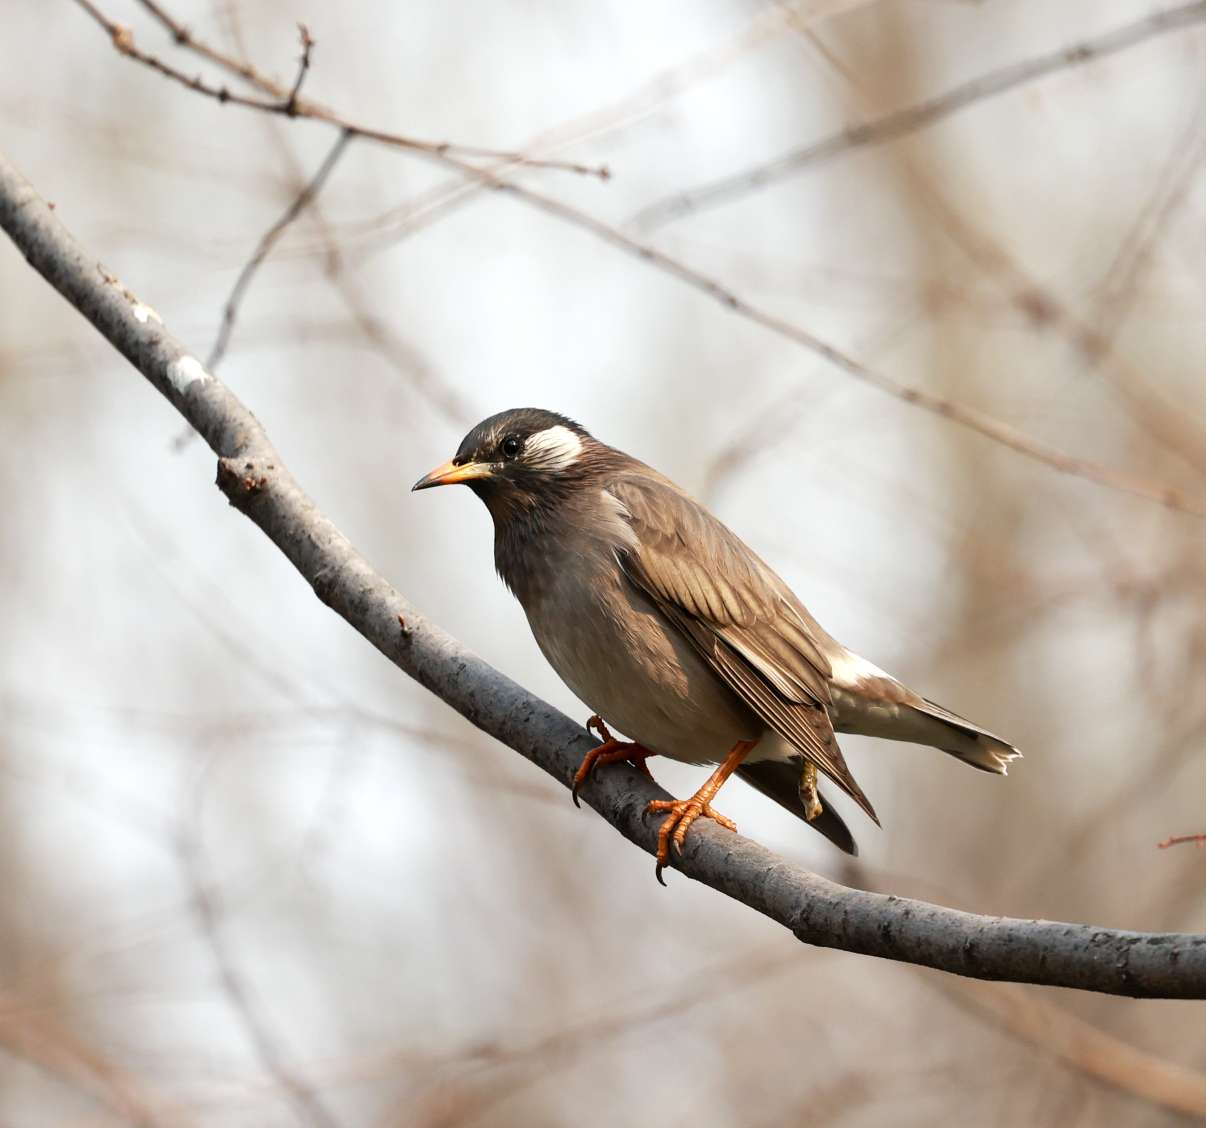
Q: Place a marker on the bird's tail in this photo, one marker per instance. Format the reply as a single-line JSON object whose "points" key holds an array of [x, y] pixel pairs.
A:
{"points": [[960, 738], [874, 704], [780, 780]]}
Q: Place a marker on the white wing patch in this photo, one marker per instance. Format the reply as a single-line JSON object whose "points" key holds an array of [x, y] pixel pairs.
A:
{"points": [[555, 448], [849, 670]]}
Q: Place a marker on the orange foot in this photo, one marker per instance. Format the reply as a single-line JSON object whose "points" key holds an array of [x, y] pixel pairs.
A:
{"points": [[611, 751], [683, 812]]}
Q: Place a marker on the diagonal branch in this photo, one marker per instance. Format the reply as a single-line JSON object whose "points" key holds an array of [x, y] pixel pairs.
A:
{"points": [[957, 412], [902, 122], [817, 911]]}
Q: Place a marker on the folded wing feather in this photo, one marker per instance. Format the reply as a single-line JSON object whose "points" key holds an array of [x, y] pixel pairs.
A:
{"points": [[739, 615]]}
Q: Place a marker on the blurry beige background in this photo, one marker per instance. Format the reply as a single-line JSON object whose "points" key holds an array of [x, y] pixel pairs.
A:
{"points": [[253, 876]]}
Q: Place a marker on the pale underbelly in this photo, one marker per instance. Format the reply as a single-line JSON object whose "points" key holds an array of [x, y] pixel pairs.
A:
{"points": [[644, 680]]}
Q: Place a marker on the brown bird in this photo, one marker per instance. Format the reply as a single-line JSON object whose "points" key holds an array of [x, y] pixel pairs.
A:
{"points": [[671, 628]]}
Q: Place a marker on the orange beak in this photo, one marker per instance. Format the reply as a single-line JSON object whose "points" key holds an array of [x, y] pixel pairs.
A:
{"points": [[450, 473]]}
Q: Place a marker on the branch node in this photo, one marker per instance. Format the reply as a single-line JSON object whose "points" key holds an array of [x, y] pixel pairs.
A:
{"points": [[241, 480]]}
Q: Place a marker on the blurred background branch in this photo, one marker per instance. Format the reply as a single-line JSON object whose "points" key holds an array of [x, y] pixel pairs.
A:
{"points": [[898, 124], [286, 102]]}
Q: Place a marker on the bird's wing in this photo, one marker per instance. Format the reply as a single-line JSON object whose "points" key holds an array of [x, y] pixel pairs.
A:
{"points": [[739, 615], [780, 780]]}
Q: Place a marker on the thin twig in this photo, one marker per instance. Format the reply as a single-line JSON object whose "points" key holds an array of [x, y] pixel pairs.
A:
{"points": [[267, 241], [816, 911], [900, 123], [283, 102], [973, 419], [1038, 302], [1199, 840], [303, 68], [759, 436], [397, 352], [980, 422], [392, 349], [402, 221], [1168, 423], [1042, 306]]}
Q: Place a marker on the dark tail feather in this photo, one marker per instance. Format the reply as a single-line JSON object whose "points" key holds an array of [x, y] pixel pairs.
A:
{"points": [[780, 780]]}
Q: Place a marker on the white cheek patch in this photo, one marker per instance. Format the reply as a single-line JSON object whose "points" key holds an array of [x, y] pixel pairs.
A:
{"points": [[553, 449]]}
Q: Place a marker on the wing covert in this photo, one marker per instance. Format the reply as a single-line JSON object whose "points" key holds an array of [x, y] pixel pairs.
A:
{"points": [[737, 613]]}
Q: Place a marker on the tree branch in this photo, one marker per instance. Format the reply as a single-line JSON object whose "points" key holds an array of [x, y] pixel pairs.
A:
{"points": [[817, 911], [902, 122], [288, 103], [230, 311], [1199, 840]]}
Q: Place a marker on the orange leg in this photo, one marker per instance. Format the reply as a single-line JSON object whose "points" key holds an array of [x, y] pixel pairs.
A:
{"points": [[611, 751], [683, 812]]}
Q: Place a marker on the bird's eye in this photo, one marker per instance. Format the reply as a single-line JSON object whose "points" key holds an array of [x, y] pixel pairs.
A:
{"points": [[510, 447]]}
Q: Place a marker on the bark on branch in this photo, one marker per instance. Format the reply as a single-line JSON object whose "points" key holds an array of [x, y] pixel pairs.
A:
{"points": [[817, 911]]}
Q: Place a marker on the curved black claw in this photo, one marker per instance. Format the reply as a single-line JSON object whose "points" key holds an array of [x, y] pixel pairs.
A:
{"points": [[658, 874]]}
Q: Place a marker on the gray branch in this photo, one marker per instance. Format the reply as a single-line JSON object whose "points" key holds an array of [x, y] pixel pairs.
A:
{"points": [[817, 911]]}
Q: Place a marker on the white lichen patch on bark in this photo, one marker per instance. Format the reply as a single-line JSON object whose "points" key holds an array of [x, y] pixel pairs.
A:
{"points": [[184, 372]]}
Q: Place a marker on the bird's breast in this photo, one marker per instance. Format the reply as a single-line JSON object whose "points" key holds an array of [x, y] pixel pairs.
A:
{"points": [[615, 650]]}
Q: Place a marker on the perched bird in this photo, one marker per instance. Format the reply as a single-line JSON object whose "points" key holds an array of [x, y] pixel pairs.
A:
{"points": [[670, 628]]}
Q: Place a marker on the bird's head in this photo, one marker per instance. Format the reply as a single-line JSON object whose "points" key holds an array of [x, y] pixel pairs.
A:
{"points": [[520, 460]]}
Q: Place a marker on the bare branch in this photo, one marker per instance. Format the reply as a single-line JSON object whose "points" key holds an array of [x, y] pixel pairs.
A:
{"points": [[397, 352], [892, 126], [817, 911], [287, 103], [653, 93], [973, 419], [267, 241], [1199, 840], [185, 38], [303, 68], [980, 422], [1038, 302]]}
